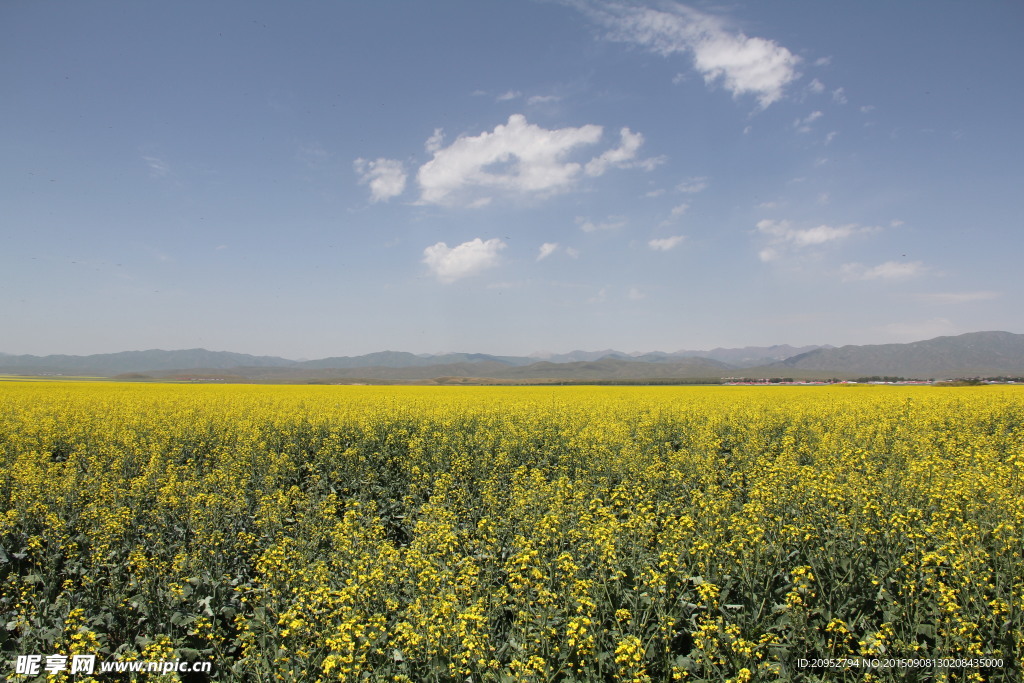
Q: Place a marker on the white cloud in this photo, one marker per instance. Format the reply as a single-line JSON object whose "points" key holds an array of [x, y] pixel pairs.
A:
{"points": [[635, 294], [516, 157], [547, 249], [890, 270], [620, 156], [386, 177], [816, 86], [158, 168], [819, 235], [839, 96], [435, 141], [804, 125], [746, 65], [542, 99], [613, 223], [666, 243], [674, 214], [510, 95], [785, 239], [693, 185], [743, 65], [469, 258], [783, 233], [572, 252], [768, 254], [648, 164]]}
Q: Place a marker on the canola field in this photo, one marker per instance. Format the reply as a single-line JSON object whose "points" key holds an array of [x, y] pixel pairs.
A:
{"points": [[515, 534]]}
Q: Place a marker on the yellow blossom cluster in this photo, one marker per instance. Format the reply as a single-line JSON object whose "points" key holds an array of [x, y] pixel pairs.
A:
{"points": [[324, 533]]}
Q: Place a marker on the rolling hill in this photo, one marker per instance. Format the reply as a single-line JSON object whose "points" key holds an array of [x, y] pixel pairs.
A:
{"points": [[966, 355]]}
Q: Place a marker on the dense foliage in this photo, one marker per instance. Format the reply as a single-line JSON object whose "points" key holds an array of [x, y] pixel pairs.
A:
{"points": [[515, 534]]}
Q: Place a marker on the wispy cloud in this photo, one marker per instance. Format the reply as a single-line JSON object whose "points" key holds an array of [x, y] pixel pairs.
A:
{"points": [[622, 156], [890, 270], [784, 232], [449, 264], [612, 223], [547, 249], [804, 125], [534, 100], [743, 65], [674, 214], [435, 141], [784, 238], [386, 177], [666, 243], [158, 168], [693, 185]]}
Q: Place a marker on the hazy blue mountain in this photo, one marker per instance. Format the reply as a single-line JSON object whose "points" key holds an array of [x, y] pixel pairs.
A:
{"points": [[578, 356], [611, 368], [750, 356], [401, 359], [978, 353], [971, 354], [138, 361]]}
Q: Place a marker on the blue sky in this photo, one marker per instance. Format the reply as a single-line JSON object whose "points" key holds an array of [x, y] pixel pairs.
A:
{"points": [[334, 178]]}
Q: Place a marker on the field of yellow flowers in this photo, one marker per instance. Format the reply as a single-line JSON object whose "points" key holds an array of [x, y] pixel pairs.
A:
{"points": [[516, 534]]}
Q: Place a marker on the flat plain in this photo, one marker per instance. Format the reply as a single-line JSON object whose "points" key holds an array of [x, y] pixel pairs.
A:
{"points": [[517, 533]]}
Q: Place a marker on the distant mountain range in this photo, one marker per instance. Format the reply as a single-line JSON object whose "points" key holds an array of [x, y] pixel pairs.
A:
{"points": [[747, 357], [966, 355]]}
